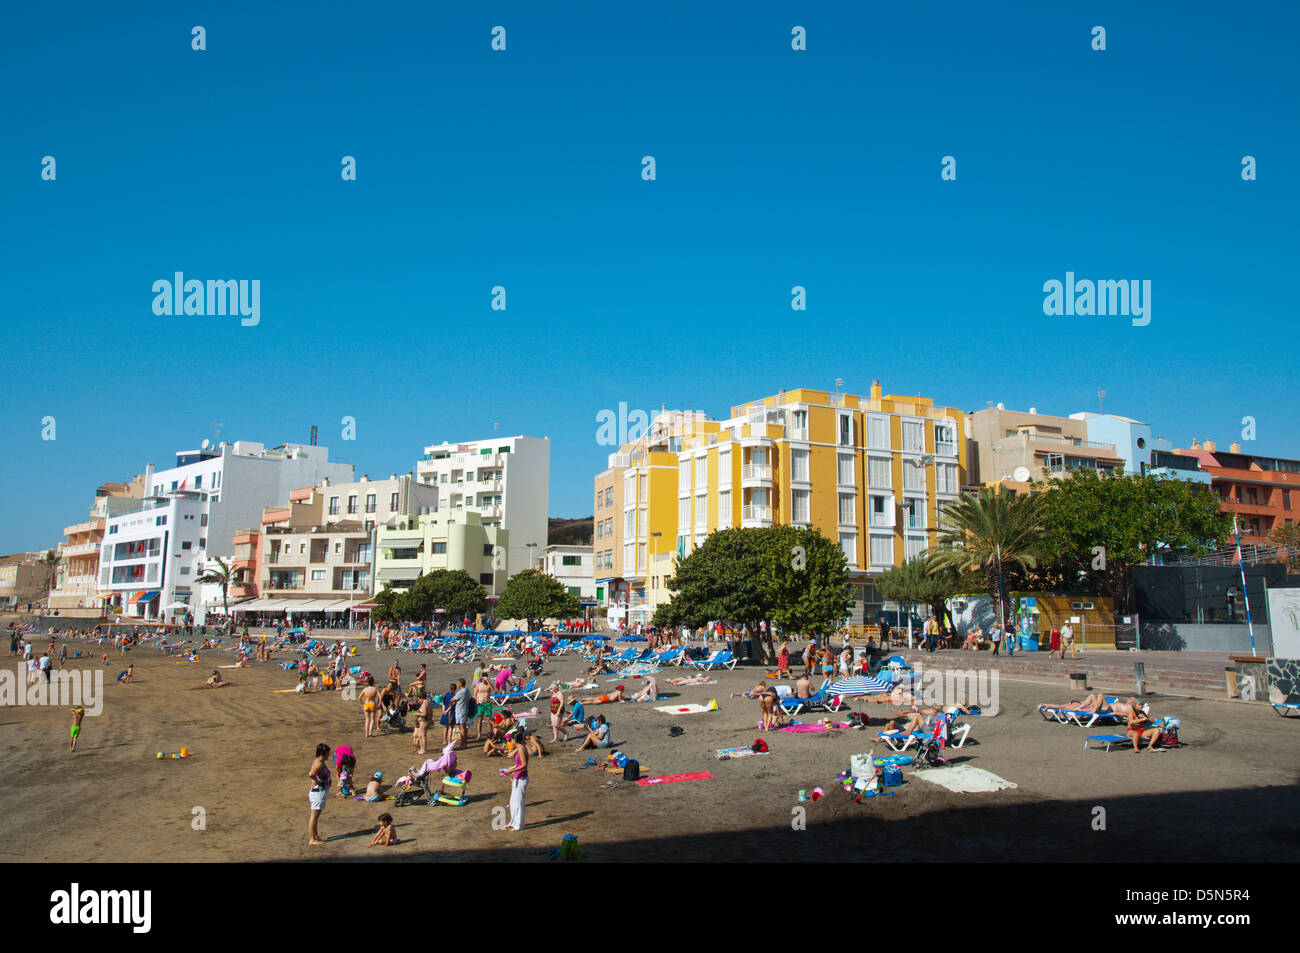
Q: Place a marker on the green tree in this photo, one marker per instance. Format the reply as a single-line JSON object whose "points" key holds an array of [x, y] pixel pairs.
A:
{"points": [[387, 606], [50, 560], [454, 591], [794, 578], [536, 596], [1097, 526], [914, 582], [988, 533], [218, 573], [807, 581]]}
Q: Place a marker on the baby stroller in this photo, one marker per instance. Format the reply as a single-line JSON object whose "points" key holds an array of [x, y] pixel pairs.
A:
{"points": [[394, 718], [929, 753], [536, 664], [419, 787]]}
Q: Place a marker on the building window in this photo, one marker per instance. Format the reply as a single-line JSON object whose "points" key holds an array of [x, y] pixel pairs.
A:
{"points": [[846, 430], [187, 545], [799, 465], [878, 432], [882, 550], [799, 424], [439, 549], [849, 546], [600, 529], [915, 545], [848, 509], [879, 473], [913, 477], [913, 441], [370, 502], [392, 502], [844, 468], [571, 561], [882, 511], [198, 482], [945, 478], [945, 440], [485, 578], [352, 504], [334, 506], [724, 467], [338, 546], [701, 512], [318, 575], [609, 496], [799, 508]]}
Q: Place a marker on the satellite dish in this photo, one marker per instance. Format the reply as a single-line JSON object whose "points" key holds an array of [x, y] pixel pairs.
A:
{"points": [[205, 444], [1021, 474]]}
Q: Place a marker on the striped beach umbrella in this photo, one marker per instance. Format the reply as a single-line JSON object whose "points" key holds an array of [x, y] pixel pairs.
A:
{"points": [[860, 685]]}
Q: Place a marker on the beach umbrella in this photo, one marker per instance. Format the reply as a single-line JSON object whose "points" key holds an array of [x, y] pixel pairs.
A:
{"points": [[540, 632], [514, 632], [596, 638], [415, 628], [631, 638], [859, 685], [297, 631]]}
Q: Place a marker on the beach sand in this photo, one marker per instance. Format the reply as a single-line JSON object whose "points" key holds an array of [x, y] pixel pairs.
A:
{"points": [[1229, 795]]}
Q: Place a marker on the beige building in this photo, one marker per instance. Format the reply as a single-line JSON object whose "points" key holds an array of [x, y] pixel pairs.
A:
{"points": [[317, 551], [1012, 448], [77, 583], [22, 580], [460, 540]]}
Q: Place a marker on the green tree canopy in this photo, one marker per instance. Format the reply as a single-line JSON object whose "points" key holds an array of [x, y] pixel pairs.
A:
{"points": [[218, 573], [452, 590], [536, 596], [1097, 526], [794, 578]]}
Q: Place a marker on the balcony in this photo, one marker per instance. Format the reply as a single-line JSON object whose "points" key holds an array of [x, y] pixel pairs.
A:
{"points": [[81, 549], [755, 473], [752, 514]]}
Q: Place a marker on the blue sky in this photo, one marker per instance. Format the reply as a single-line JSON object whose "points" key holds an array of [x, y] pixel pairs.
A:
{"points": [[522, 169]]}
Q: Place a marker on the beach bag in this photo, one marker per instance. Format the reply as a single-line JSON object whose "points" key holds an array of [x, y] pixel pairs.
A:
{"points": [[1168, 738], [632, 770], [892, 775], [759, 746]]}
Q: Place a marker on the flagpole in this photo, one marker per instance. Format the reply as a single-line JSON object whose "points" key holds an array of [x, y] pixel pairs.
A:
{"points": [[1244, 593]]}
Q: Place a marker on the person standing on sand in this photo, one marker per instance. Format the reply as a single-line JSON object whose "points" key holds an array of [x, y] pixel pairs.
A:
{"points": [[78, 713], [318, 795], [423, 715], [557, 716], [395, 675], [464, 711], [518, 781], [370, 706], [482, 703]]}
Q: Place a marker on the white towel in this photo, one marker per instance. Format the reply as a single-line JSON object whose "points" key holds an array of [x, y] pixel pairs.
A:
{"points": [[964, 779]]}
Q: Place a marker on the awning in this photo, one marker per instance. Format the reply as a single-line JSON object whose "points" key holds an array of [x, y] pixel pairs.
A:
{"points": [[365, 606], [147, 596], [260, 605]]}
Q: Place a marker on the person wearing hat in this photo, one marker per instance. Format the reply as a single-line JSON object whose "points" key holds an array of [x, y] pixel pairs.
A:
{"points": [[374, 788]]}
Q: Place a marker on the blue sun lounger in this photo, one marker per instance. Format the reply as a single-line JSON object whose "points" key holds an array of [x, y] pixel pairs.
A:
{"points": [[1106, 742]]}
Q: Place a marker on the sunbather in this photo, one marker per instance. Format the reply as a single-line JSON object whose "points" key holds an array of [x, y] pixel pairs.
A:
{"points": [[649, 693], [700, 679], [1093, 703], [1139, 727], [615, 696]]}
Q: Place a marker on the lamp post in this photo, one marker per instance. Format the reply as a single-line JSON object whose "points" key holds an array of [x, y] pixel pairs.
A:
{"points": [[654, 560]]}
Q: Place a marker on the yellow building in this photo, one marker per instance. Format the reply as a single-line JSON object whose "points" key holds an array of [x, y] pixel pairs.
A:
{"points": [[871, 473]]}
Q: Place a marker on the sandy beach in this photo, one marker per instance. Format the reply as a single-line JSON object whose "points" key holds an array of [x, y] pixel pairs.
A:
{"points": [[1229, 794]]}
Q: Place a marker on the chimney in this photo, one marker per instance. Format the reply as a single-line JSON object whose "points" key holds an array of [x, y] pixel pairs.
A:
{"points": [[875, 390], [1234, 447], [1210, 446], [1195, 444], [392, 476], [325, 481]]}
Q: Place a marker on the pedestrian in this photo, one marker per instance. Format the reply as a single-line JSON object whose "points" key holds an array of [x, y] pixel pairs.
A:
{"points": [[995, 636], [1067, 639], [1055, 643], [557, 716], [319, 775], [78, 713], [370, 707], [518, 779]]}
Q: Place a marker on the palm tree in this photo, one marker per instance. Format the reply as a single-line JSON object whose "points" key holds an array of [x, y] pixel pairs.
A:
{"points": [[50, 560], [986, 532], [222, 575]]}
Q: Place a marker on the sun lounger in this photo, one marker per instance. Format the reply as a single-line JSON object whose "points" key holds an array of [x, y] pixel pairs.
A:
{"points": [[898, 741], [720, 658], [1285, 708], [528, 693], [1105, 742], [822, 700]]}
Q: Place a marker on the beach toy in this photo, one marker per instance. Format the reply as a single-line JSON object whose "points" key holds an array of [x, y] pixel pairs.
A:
{"points": [[818, 794], [568, 849], [159, 756], [803, 796], [185, 752]]}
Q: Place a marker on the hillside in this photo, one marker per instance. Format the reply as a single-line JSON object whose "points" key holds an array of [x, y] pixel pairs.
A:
{"points": [[574, 532]]}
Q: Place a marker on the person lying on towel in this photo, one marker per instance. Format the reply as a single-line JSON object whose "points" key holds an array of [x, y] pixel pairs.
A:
{"points": [[615, 696]]}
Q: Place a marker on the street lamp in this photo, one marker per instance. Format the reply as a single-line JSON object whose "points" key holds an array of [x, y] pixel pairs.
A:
{"points": [[906, 507]]}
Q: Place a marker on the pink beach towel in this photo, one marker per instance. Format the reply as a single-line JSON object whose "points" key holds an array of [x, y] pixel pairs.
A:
{"points": [[805, 729], [674, 778]]}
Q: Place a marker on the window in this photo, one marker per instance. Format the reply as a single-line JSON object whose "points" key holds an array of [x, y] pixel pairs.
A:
{"points": [[701, 473], [878, 473], [198, 482], [187, 545], [846, 430], [487, 549], [882, 550], [945, 439], [185, 570], [334, 506], [844, 469], [440, 549], [799, 465], [701, 511], [724, 467], [915, 509], [318, 575], [882, 511], [160, 521], [848, 509], [799, 506], [370, 502], [112, 529], [485, 578], [302, 549], [913, 477], [799, 424], [849, 546], [600, 529], [878, 432], [370, 525], [570, 560], [1055, 462], [945, 478], [684, 511], [684, 474], [913, 442], [915, 546], [724, 509], [352, 503], [202, 542], [203, 519]]}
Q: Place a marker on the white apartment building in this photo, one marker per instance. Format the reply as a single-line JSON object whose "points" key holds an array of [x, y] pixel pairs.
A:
{"points": [[192, 511], [505, 480], [573, 566]]}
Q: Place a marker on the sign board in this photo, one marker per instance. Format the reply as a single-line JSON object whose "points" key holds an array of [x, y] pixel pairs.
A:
{"points": [[1284, 614], [1075, 619]]}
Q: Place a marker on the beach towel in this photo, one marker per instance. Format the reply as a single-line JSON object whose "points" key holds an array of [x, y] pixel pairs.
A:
{"points": [[691, 709], [808, 729], [674, 778], [284, 691], [964, 779], [726, 754]]}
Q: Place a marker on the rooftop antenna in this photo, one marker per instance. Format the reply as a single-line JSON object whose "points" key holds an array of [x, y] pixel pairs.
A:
{"points": [[314, 430], [1100, 396], [217, 428]]}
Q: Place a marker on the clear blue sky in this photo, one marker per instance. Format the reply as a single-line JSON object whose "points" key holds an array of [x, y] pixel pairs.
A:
{"points": [[522, 169]]}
